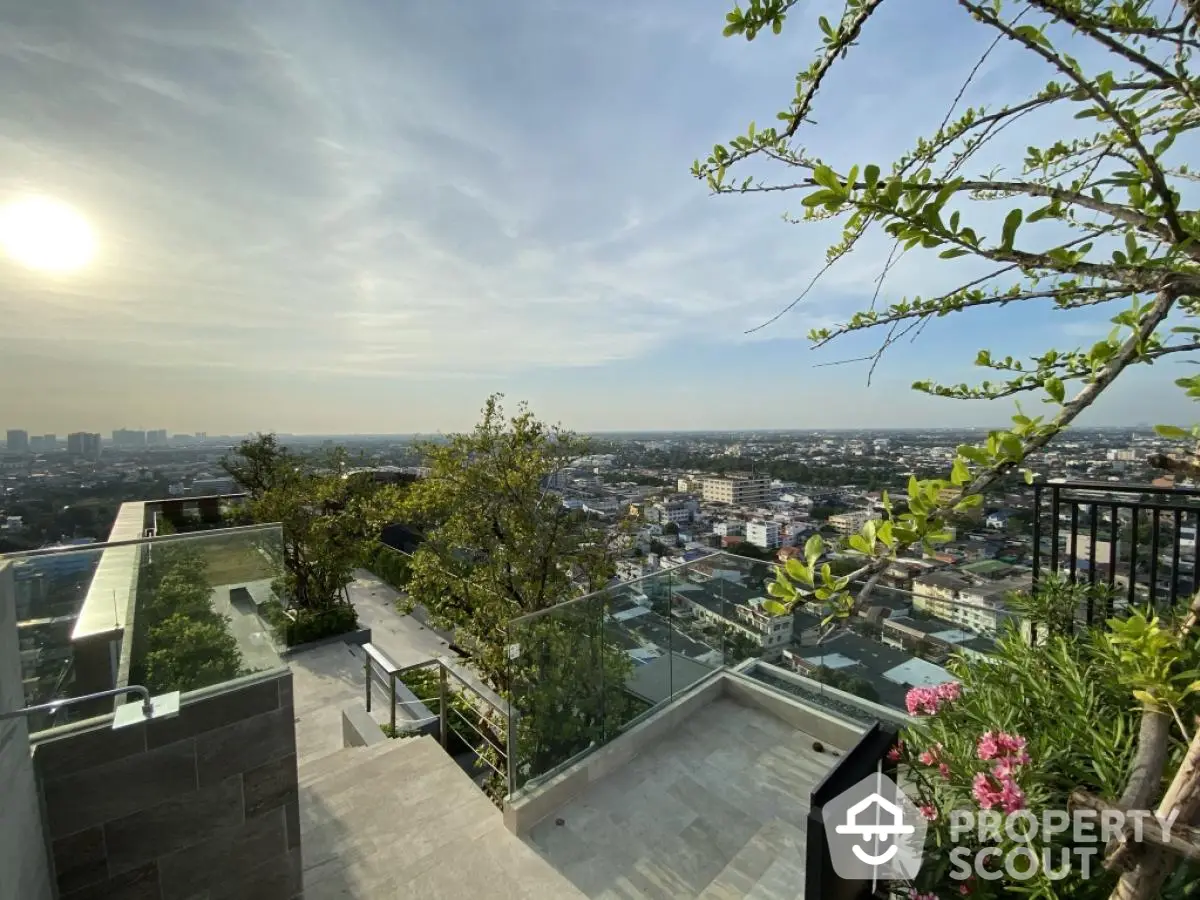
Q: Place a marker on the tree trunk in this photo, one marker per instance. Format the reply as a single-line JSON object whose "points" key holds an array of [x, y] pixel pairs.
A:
{"points": [[1145, 880]]}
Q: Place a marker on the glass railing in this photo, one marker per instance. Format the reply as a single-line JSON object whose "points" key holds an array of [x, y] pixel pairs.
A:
{"points": [[583, 672], [176, 613]]}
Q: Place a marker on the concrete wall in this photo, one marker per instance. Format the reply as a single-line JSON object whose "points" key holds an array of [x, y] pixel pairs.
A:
{"points": [[202, 805], [24, 873]]}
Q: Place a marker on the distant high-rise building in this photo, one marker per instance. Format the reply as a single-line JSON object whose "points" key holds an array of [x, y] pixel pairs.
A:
{"points": [[84, 444], [202, 435], [18, 441], [43, 443], [156, 438], [124, 437]]}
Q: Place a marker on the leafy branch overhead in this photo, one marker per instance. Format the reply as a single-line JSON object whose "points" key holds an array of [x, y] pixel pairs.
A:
{"points": [[1091, 218]]}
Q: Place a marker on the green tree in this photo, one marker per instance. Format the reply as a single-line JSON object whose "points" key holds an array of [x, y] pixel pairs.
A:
{"points": [[1086, 220], [331, 518], [498, 542], [670, 528]]}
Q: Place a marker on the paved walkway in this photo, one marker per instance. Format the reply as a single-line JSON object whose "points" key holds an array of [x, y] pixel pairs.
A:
{"points": [[328, 677]]}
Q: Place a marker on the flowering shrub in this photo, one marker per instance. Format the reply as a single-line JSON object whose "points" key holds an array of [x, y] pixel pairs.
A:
{"points": [[1019, 731]]}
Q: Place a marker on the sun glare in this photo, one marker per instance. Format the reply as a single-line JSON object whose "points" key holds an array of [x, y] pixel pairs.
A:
{"points": [[45, 234]]}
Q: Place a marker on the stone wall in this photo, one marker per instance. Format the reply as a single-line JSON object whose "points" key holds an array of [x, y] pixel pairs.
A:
{"points": [[24, 874], [202, 805]]}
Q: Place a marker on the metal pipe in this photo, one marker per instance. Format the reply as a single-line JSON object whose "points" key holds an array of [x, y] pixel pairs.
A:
{"points": [[444, 724], [55, 705]]}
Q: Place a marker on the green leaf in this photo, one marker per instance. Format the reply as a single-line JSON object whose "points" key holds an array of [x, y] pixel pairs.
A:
{"points": [[959, 473], [1011, 223], [775, 608], [1172, 431], [813, 548], [871, 176], [824, 176], [954, 253], [1028, 473], [1056, 389], [797, 570]]}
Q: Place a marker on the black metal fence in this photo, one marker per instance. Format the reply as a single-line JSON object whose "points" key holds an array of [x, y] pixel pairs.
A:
{"points": [[868, 756], [1138, 539]]}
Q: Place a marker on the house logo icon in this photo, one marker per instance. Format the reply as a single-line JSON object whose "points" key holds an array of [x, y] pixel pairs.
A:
{"points": [[881, 831], [874, 831]]}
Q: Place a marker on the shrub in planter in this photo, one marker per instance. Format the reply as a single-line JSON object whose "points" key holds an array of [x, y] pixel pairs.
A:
{"points": [[302, 626], [1019, 732]]}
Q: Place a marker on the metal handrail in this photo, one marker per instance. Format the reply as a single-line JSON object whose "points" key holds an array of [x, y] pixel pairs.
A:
{"points": [[54, 705], [374, 658]]}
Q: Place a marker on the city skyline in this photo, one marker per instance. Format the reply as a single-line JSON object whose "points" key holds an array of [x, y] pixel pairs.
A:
{"points": [[369, 217]]}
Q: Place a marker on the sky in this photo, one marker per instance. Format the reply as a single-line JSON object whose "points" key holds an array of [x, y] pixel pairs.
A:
{"points": [[367, 216]]}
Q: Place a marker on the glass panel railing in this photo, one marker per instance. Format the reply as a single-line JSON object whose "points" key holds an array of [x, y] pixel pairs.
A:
{"points": [[176, 613], [48, 591], [202, 607], [584, 670]]}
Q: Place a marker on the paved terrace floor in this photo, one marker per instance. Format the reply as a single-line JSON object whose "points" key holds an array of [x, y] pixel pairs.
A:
{"points": [[716, 811], [327, 678]]}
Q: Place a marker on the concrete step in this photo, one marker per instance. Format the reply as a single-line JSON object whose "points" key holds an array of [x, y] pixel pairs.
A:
{"points": [[401, 819], [347, 758]]}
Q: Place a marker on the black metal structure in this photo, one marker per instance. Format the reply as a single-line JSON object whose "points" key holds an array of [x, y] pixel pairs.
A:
{"points": [[1138, 539], [863, 759]]}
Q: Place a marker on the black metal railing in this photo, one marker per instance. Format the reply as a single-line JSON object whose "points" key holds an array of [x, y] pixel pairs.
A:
{"points": [[1140, 540]]}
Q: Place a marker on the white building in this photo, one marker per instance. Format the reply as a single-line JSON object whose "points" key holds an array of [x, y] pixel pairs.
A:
{"points": [[737, 490], [763, 534], [680, 512], [853, 521], [730, 529]]}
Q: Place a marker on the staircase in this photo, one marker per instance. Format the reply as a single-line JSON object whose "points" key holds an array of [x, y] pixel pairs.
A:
{"points": [[401, 819]]}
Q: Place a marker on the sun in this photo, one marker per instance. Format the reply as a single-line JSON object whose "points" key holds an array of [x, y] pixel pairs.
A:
{"points": [[47, 235]]}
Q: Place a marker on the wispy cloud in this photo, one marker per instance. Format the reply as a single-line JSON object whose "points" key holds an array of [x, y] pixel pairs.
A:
{"points": [[408, 189]]}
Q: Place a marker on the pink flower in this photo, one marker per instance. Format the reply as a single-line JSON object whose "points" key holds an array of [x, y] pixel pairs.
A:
{"points": [[1003, 769], [944, 771], [965, 889], [949, 691], [894, 753], [926, 701], [914, 894], [986, 793], [988, 747], [1012, 798], [930, 756], [1002, 791], [929, 813], [1004, 746]]}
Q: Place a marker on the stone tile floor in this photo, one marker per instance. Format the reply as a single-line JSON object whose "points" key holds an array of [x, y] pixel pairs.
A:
{"points": [[716, 811]]}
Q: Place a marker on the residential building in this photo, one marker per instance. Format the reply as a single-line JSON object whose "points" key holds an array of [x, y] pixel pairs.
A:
{"points": [[736, 490], [18, 441], [84, 444], [971, 599], [43, 443], [763, 534], [726, 602], [677, 511], [156, 438], [728, 528], [128, 439], [851, 522]]}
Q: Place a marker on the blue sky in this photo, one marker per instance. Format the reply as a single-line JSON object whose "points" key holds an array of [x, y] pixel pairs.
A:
{"points": [[366, 216]]}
